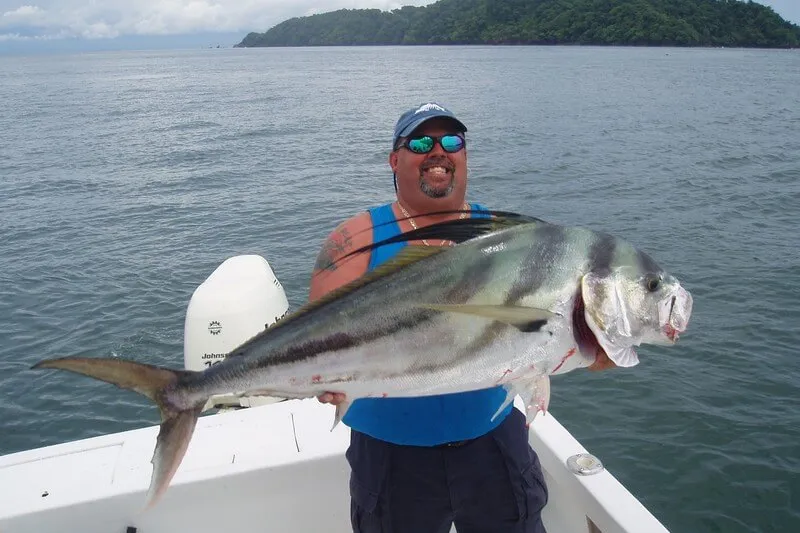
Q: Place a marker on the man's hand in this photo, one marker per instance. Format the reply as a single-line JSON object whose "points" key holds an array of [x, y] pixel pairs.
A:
{"points": [[333, 398], [601, 361]]}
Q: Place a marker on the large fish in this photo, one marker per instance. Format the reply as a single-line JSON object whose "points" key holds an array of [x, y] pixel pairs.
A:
{"points": [[513, 302]]}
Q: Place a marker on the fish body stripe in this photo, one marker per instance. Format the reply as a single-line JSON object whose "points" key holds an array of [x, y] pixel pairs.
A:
{"points": [[602, 252], [340, 341], [545, 249], [646, 263]]}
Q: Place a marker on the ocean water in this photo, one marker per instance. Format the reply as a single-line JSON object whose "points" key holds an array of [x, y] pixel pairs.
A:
{"points": [[127, 177]]}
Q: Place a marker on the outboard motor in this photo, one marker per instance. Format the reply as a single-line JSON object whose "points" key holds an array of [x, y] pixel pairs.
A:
{"points": [[238, 300]]}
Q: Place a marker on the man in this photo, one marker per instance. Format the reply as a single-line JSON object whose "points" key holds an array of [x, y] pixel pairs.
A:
{"points": [[421, 464]]}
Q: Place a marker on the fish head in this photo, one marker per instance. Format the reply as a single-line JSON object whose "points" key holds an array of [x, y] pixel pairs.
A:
{"points": [[625, 307]]}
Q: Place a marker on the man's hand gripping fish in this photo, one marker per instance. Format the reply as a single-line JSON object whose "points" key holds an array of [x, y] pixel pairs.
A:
{"points": [[516, 300]]}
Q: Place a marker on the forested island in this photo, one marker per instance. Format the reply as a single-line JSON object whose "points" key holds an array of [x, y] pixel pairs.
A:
{"points": [[731, 23]]}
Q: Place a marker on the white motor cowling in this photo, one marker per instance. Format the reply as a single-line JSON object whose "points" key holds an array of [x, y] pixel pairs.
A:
{"points": [[237, 301]]}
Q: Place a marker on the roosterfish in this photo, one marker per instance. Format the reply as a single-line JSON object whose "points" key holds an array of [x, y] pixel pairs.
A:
{"points": [[512, 302]]}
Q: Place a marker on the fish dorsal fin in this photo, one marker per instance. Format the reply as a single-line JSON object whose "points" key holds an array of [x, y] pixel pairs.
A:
{"points": [[457, 231], [464, 229], [406, 256]]}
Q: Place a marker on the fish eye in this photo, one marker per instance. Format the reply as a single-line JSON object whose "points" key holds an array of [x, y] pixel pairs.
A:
{"points": [[652, 283]]}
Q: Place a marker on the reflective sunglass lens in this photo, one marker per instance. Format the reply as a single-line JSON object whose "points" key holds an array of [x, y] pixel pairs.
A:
{"points": [[421, 145], [452, 143]]}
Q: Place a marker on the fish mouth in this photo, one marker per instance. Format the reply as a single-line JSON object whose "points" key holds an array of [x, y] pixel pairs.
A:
{"points": [[676, 312], [671, 333]]}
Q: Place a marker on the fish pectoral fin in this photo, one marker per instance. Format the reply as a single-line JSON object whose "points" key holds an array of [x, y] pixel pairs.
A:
{"points": [[536, 397], [341, 410], [535, 394], [525, 319], [511, 393]]}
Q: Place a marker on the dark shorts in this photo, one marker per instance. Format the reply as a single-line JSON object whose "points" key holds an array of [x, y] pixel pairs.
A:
{"points": [[490, 484]]}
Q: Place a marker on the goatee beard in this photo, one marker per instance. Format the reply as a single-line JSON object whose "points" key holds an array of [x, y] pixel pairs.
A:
{"points": [[437, 192]]}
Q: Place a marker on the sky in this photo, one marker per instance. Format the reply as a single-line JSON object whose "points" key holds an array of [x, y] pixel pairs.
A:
{"points": [[24, 20], [167, 21]]}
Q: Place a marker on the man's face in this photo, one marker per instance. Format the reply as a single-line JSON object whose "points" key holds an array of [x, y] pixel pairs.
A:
{"points": [[437, 174]]}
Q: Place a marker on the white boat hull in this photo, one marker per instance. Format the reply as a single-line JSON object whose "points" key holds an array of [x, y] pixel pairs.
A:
{"points": [[270, 468]]}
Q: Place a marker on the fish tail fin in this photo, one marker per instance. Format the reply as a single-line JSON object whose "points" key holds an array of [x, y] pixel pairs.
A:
{"points": [[171, 445], [177, 425]]}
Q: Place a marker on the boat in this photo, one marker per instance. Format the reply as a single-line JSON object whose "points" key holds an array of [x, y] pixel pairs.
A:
{"points": [[260, 464]]}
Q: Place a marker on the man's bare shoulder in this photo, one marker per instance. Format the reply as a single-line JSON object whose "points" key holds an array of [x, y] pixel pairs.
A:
{"points": [[330, 271], [348, 236]]}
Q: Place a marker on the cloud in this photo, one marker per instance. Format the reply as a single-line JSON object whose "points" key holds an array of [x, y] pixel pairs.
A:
{"points": [[23, 12], [47, 19]]}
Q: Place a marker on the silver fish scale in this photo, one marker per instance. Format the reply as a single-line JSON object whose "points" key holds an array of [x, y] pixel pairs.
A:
{"points": [[378, 339]]}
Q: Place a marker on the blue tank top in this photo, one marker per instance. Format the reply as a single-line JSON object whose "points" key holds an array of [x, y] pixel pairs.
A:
{"points": [[424, 420]]}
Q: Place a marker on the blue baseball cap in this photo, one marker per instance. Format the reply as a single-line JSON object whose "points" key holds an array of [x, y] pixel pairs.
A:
{"points": [[414, 117]]}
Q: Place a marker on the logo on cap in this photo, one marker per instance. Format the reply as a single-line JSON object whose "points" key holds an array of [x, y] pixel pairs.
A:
{"points": [[430, 107]]}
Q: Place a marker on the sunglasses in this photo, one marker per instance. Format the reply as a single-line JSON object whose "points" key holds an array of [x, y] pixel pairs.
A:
{"points": [[450, 143]]}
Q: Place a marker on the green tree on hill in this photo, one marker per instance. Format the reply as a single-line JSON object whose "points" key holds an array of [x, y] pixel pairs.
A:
{"points": [[595, 22]]}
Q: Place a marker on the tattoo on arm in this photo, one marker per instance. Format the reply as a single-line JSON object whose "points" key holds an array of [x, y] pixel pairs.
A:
{"points": [[334, 248]]}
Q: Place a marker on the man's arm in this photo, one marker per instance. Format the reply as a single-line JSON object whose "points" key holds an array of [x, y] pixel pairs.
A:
{"points": [[329, 275]]}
